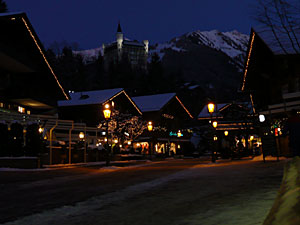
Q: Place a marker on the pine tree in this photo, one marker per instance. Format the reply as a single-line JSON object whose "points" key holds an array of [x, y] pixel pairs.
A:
{"points": [[3, 7]]}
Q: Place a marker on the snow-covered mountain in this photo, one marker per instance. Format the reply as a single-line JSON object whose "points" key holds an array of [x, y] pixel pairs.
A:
{"points": [[233, 44], [89, 55]]}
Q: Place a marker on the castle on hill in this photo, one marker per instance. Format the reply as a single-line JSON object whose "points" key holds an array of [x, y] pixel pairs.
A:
{"points": [[123, 49]]}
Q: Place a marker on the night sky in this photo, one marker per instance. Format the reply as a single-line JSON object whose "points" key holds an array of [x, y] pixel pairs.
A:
{"points": [[93, 22]]}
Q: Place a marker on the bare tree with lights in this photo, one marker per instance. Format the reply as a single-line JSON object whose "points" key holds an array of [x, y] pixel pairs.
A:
{"points": [[124, 126]]}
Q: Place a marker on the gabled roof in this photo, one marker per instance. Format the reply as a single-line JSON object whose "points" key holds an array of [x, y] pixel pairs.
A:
{"points": [[288, 41], [91, 97], [95, 97], [151, 103], [20, 40]]}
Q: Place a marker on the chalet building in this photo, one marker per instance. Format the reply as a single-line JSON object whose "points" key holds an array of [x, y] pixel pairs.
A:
{"points": [[272, 78], [235, 124], [87, 107], [272, 71], [229, 116], [28, 83], [164, 109], [169, 117], [123, 49]]}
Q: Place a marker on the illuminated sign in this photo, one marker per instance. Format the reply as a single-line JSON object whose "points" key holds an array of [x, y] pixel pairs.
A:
{"points": [[175, 134]]}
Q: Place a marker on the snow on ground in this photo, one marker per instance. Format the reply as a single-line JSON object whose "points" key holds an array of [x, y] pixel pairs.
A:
{"points": [[257, 206], [89, 55], [286, 207], [65, 215]]}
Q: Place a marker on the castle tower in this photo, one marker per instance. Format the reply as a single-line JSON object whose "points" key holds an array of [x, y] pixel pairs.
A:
{"points": [[120, 39], [146, 44]]}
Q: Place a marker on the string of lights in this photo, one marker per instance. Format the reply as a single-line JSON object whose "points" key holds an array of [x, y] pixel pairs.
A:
{"points": [[248, 60], [43, 55]]}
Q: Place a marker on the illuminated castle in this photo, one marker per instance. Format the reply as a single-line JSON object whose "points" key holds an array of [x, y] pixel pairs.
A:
{"points": [[123, 49]]}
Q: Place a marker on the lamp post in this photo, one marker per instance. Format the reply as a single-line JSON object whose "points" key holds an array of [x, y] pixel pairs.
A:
{"points": [[226, 133], [211, 109], [107, 115], [82, 139], [150, 129], [179, 133]]}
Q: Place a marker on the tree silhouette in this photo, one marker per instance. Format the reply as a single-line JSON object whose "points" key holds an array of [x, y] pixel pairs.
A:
{"points": [[3, 7]]}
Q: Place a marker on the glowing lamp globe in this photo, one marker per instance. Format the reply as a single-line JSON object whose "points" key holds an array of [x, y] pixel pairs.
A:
{"points": [[150, 126], [179, 133], [215, 124], [41, 130], [81, 135], [226, 133], [107, 111], [211, 107], [262, 118]]}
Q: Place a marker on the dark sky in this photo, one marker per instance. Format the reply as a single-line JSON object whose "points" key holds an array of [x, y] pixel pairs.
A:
{"points": [[93, 22]]}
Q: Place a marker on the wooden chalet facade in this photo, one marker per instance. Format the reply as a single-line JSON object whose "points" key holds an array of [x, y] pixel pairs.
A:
{"points": [[28, 83], [168, 116], [272, 72], [236, 116]]}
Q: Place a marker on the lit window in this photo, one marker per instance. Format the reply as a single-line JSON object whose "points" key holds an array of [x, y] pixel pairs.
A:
{"points": [[1, 105], [21, 109]]}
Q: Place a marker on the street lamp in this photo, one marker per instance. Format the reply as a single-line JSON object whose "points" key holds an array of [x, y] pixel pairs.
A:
{"points": [[107, 111], [150, 128], [226, 133], [81, 135], [107, 115], [262, 118], [41, 130], [211, 109], [179, 133]]}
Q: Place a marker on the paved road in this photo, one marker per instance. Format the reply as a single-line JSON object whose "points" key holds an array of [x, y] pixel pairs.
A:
{"points": [[169, 192]]}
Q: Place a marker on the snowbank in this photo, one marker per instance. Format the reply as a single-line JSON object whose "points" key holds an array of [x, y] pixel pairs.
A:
{"points": [[286, 207]]}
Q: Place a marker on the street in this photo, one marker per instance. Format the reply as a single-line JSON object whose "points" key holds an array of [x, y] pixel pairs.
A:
{"points": [[175, 191]]}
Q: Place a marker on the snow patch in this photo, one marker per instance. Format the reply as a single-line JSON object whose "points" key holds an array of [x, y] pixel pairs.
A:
{"points": [[89, 55]]}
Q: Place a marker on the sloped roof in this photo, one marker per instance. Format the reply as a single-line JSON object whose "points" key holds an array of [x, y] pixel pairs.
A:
{"points": [[151, 103], [21, 41], [90, 97], [287, 42]]}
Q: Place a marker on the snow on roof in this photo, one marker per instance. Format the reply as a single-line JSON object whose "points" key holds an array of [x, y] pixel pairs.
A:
{"points": [[12, 14], [153, 102], [268, 37], [90, 97]]}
